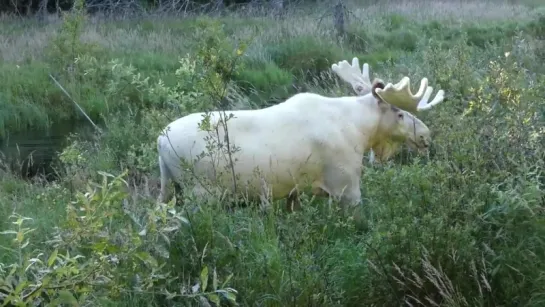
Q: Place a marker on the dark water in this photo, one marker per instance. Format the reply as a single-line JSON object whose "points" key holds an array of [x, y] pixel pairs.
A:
{"points": [[32, 153]]}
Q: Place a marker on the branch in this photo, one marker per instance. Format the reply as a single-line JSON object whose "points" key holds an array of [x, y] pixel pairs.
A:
{"points": [[75, 103]]}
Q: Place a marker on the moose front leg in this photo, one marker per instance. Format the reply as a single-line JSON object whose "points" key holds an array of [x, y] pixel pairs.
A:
{"points": [[292, 202], [343, 183]]}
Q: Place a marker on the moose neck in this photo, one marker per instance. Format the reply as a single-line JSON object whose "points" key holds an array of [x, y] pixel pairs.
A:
{"points": [[384, 150], [369, 117]]}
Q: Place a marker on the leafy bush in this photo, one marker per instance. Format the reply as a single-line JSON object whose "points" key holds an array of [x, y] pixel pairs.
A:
{"points": [[462, 228], [450, 239], [537, 27], [90, 258], [481, 36]]}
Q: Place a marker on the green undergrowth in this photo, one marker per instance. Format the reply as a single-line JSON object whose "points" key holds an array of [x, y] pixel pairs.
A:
{"points": [[274, 70], [462, 227]]}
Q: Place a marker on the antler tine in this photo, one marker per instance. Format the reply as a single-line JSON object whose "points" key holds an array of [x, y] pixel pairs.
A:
{"points": [[423, 104], [360, 81], [400, 95]]}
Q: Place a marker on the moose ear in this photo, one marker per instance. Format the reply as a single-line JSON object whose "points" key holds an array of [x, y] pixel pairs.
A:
{"points": [[377, 83]]}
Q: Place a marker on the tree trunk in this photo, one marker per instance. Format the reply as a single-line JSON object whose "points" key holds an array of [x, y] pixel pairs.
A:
{"points": [[339, 19]]}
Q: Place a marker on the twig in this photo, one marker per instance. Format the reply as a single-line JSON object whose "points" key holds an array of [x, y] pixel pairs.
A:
{"points": [[224, 123], [77, 105], [384, 270], [324, 15], [340, 7]]}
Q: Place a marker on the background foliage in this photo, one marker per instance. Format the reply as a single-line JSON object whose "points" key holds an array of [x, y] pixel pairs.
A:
{"points": [[463, 227]]}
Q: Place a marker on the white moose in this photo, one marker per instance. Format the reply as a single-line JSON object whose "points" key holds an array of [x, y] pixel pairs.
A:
{"points": [[361, 83], [307, 140]]}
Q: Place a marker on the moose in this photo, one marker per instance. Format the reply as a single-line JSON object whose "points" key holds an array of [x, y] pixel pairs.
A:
{"points": [[309, 140]]}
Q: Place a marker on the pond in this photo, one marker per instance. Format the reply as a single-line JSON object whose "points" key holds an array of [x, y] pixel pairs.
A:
{"points": [[35, 152]]}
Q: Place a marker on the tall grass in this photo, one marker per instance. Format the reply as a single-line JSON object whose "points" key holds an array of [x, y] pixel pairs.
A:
{"points": [[463, 227]]}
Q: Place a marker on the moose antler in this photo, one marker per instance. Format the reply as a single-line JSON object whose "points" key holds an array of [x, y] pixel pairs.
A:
{"points": [[360, 81], [400, 95]]}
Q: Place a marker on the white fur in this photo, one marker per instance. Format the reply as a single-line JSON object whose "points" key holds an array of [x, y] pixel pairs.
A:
{"points": [[308, 139], [398, 94]]}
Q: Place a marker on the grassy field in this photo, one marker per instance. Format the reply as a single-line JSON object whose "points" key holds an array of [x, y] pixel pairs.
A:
{"points": [[462, 228]]}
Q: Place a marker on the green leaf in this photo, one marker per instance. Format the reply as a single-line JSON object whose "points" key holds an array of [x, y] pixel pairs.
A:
{"points": [[231, 297], [65, 297], [214, 298], [8, 232], [21, 286], [204, 278], [113, 249], [25, 244], [172, 201], [52, 258], [20, 236], [227, 280], [215, 280], [146, 257]]}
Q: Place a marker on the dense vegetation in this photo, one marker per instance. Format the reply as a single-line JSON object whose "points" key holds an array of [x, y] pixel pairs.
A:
{"points": [[43, 7], [462, 228]]}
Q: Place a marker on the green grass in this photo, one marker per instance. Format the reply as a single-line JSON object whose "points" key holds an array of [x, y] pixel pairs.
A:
{"points": [[462, 228], [154, 46]]}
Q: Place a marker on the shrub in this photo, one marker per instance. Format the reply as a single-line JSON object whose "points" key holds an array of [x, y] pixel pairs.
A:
{"points": [[446, 249], [91, 259], [537, 27], [460, 228], [305, 56], [482, 36]]}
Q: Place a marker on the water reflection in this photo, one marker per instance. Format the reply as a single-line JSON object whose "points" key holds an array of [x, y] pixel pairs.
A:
{"points": [[35, 152]]}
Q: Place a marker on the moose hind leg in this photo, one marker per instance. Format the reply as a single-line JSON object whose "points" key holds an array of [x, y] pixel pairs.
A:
{"points": [[165, 179], [178, 191]]}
